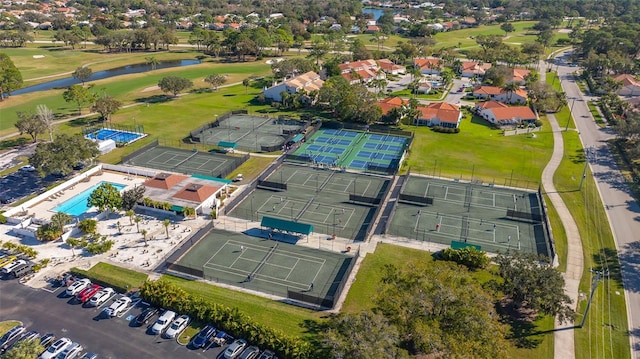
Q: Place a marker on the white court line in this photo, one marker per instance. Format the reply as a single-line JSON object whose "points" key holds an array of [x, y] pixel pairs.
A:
{"points": [[426, 191], [218, 251], [270, 279], [291, 271], [173, 156], [318, 272]]}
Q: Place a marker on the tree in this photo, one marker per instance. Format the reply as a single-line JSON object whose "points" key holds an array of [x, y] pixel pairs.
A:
{"points": [[151, 60], [318, 50], [215, 80], [80, 95], [531, 282], [106, 197], [106, 106], [507, 27], [361, 336], [166, 224], [24, 349], [82, 73], [359, 51], [31, 124], [129, 212], [439, 309], [59, 156], [174, 84], [137, 219], [60, 219], [510, 88], [246, 82], [10, 76], [144, 237], [46, 116], [131, 197]]}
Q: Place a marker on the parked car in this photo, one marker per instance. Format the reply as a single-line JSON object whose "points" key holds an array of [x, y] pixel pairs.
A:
{"points": [[6, 260], [88, 292], [267, 354], [250, 353], [47, 339], [177, 326], [203, 337], [21, 270], [56, 348], [90, 356], [145, 316], [235, 349], [163, 322], [70, 351], [28, 336], [222, 338], [118, 306], [10, 336], [77, 286], [9, 267], [101, 296]]}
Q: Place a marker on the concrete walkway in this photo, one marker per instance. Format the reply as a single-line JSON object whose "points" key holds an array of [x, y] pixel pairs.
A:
{"points": [[564, 343]]}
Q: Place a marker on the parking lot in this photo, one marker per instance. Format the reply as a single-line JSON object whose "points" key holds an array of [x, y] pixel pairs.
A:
{"points": [[49, 311]]}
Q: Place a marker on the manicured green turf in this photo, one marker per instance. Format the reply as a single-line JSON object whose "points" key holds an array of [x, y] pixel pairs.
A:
{"points": [[559, 234], [6, 325], [605, 332], [118, 277], [464, 37], [483, 151], [429, 96], [288, 318]]}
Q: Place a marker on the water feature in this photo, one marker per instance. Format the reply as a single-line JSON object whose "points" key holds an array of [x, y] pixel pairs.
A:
{"points": [[99, 75], [78, 205], [376, 12]]}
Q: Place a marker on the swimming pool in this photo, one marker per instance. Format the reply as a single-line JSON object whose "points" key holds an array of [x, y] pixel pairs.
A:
{"points": [[77, 205], [116, 135]]}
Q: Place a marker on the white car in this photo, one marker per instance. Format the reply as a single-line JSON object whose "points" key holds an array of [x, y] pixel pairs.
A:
{"points": [[235, 349], [70, 351], [77, 286], [177, 326], [163, 322], [56, 348], [102, 296], [118, 306], [11, 266]]}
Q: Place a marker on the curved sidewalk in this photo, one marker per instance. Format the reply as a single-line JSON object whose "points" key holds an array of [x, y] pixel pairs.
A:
{"points": [[564, 343]]}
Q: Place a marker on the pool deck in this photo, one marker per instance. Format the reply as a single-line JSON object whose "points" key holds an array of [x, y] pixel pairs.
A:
{"points": [[44, 209]]}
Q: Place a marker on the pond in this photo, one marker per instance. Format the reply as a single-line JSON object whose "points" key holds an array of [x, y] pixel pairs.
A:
{"points": [[99, 75]]}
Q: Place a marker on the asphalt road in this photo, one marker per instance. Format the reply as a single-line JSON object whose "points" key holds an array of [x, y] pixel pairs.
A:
{"points": [[622, 210], [48, 312]]}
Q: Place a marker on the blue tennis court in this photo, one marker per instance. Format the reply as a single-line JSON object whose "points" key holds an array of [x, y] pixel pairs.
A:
{"points": [[333, 141], [118, 136], [325, 149], [357, 164], [377, 155], [381, 147], [387, 138]]}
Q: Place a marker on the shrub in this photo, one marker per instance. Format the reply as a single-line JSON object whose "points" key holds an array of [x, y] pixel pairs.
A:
{"points": [[3, 219], [468, 256], [88, 226], [48, 232], [445, 129]]}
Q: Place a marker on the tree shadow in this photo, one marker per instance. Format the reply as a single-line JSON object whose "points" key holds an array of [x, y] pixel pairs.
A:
{"points": [[629, 258], [154, 99], [85, 121], [523, 331], [14, 142], [477, 120], [578, 156]]}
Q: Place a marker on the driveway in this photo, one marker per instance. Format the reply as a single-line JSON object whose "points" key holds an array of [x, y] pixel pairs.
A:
{"points": [[622, 210], [49, 312]]}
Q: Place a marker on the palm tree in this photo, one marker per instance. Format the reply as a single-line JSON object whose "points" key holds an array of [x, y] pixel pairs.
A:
{"points": [[60, 219], [137, 219], [144, 237], [119, 227], [166, 224], [130, 213], [510, 88], [246, 82], [151, 60]]}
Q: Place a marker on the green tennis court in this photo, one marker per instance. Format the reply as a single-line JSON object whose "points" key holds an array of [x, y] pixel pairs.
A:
{"points": [[497, 219], [185, 161], [318, 197], [253, 133], [267, 266]]}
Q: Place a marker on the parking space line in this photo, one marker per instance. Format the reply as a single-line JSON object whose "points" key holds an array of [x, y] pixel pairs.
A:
{"points": [[133, 304], [106, 301]]}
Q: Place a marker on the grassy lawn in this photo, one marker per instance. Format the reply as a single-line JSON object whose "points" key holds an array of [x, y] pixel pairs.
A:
{"points": [[605, 332], [6, 325], [429, 96], [139, 88], [482, 150], [364, 289], [288, 318], [117, 277], [463, 38], [593, 108]]}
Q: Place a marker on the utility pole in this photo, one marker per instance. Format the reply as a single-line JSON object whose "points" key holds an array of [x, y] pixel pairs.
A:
{"points": [[594, 286], [586, 163]]}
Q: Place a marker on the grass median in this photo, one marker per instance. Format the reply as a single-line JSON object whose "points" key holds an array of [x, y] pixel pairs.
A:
{"points": [[121, 279]]}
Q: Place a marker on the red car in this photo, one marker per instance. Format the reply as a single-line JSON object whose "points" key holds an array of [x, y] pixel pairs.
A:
{"points": [[87, 293]]}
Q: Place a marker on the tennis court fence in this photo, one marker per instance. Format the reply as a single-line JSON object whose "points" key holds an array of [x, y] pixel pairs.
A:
{"points": [[140, 151], [524, 215], [415, 200], [333, 292], [272, 186], [363, 199], [89, 129], [551, 249]]}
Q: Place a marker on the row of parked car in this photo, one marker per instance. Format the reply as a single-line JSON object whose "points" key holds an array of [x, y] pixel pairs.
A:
{"points": [[168, 324], [62, 348], [14, 267]]}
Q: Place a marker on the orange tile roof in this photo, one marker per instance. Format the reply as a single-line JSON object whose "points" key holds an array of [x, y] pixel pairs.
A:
{"points": [[196, 192], [475, 67], [627, 80], [388, 65], [390, 103], [366, 64], [520, 74], [446, 112], [165, 180], [509, 113], [490, 104], [428, 63], [487, 90]]}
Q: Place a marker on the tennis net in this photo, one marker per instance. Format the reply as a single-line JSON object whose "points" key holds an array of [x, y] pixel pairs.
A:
{"points": [[195, 153], [263, 262]]}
